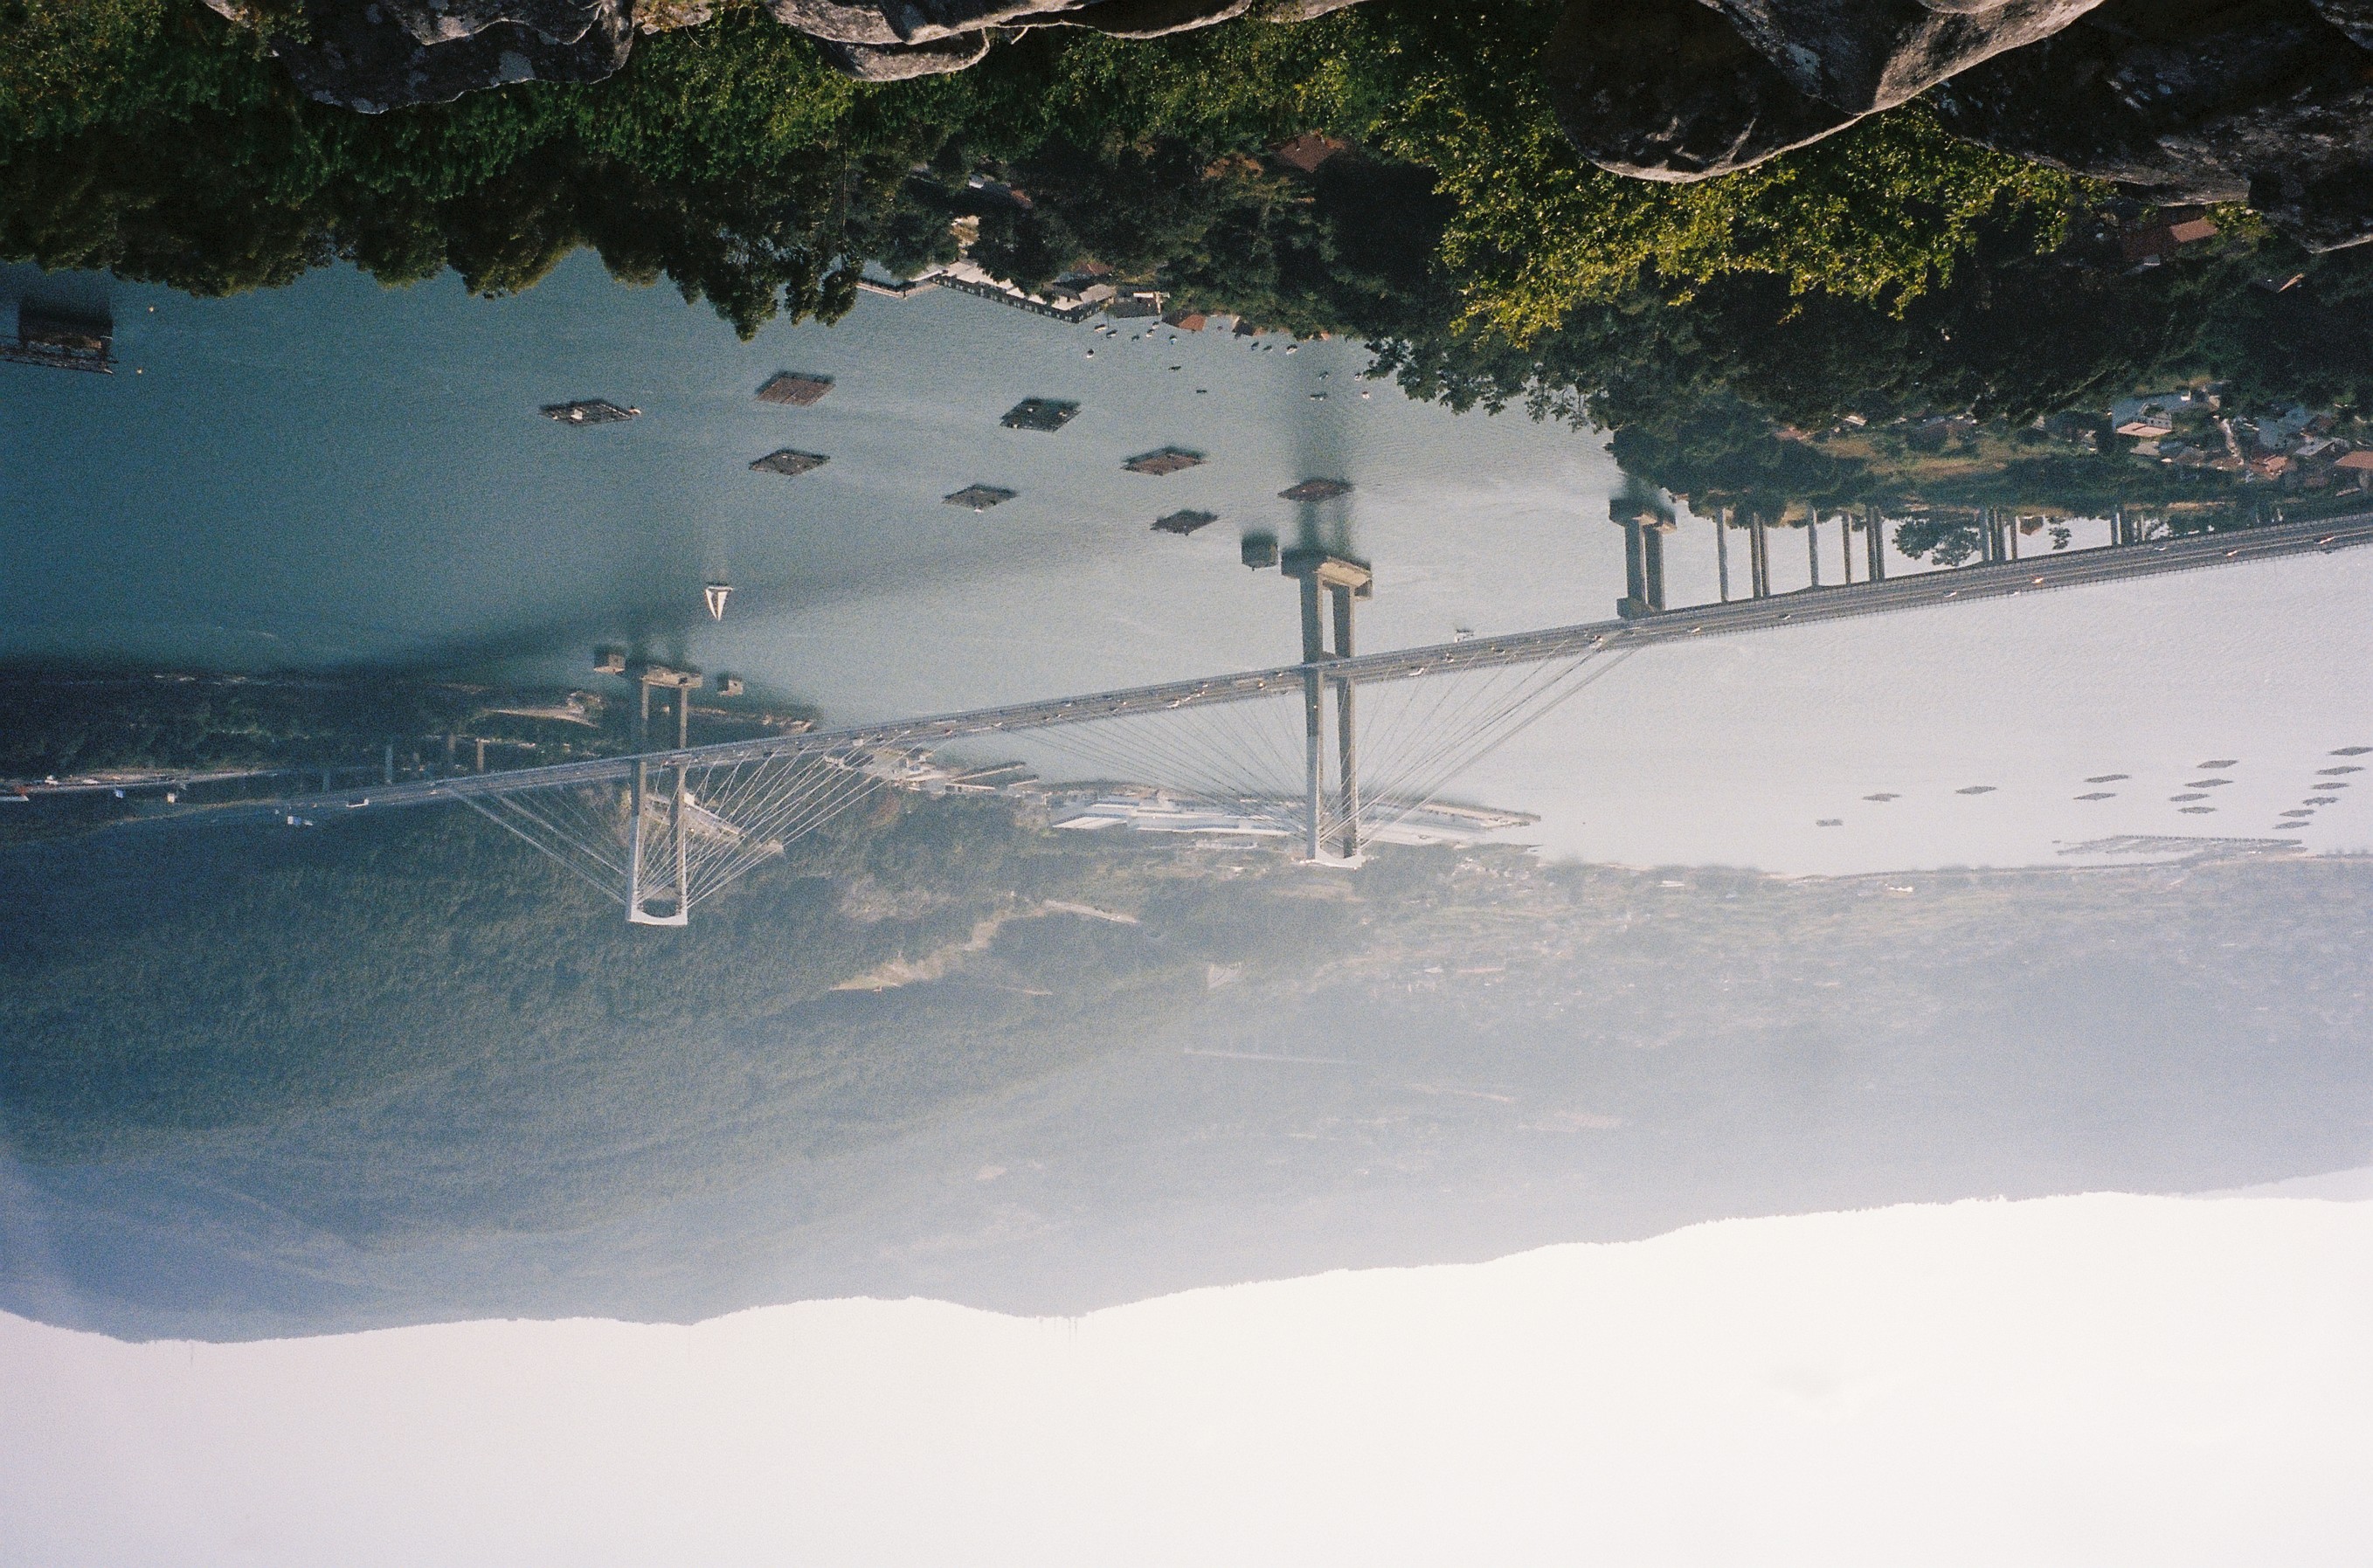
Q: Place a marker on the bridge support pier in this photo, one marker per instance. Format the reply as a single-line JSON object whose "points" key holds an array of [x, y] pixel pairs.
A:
{"points": [[1643, 559]]}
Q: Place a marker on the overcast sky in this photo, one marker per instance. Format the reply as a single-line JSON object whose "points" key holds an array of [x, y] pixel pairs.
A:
{"points": [[2089, 1381]]}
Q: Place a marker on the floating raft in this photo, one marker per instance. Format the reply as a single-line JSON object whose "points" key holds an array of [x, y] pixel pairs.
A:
{"points": [[1316, 490], [589, 411], [1184, 522], [1169, 459], [979, 497], [1039, 414], [797, 391], [790, 464]]}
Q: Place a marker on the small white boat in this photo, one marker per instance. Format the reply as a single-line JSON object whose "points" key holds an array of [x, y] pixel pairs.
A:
{"points": [[714, 596]]}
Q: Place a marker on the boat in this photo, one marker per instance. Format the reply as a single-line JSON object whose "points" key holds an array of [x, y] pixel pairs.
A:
{"points": [[714, 596]]}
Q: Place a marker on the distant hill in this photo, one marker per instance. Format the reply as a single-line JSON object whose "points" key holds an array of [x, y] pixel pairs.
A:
{"points": [[268, 1082]]}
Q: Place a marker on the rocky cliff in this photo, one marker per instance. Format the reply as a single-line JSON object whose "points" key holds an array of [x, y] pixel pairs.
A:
{"points": [[2268, 101], [373, 55]]}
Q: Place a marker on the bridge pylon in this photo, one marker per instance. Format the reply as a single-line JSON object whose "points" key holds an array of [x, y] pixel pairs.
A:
{"points": [[1336, 582], [658, 873]]}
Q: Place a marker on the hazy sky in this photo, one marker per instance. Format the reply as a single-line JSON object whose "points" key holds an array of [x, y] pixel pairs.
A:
{"points": [[2091, 1381]]}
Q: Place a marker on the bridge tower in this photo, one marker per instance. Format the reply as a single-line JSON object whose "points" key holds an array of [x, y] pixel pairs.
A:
{"points": [[1340, 581], [658, 890]]}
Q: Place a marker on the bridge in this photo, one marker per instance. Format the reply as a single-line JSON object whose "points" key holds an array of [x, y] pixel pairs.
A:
{"points": [[720, 809]]}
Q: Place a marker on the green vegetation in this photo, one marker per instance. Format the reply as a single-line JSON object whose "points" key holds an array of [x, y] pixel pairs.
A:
{"points": [[414, 1033], [150, 137], [264, 975], [1720, 330]]}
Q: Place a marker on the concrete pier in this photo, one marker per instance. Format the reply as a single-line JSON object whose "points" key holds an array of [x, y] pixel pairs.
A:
{"points": [[1644, 557]]}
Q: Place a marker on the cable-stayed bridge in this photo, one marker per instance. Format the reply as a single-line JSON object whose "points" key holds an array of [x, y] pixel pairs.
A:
{"points": [[1332, 749]]}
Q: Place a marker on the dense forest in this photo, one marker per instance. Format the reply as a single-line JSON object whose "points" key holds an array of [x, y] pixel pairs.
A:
{"points": [[397, 1070], [1888, 271]]}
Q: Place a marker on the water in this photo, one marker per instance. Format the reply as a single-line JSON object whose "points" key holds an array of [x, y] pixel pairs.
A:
{"points": [[334, 474]]}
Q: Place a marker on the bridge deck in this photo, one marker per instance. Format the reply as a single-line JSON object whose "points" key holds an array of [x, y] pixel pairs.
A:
{"points": [[1960, 585]]}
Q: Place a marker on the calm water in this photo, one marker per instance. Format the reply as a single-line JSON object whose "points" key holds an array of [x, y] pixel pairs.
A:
{"points": [[337, 473]]}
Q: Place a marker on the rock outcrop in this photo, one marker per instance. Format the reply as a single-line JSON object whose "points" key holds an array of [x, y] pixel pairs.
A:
{"points": [[373, 55], [2269, 102], [1665, 90], [1681, 89], [383, 54]]}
